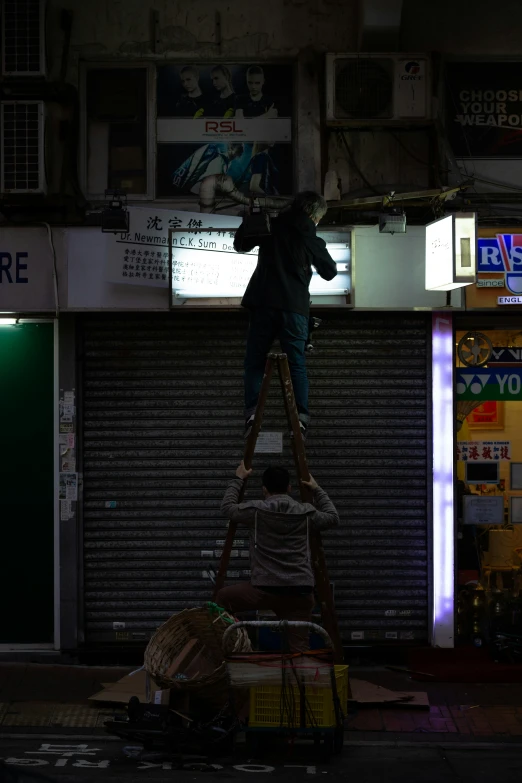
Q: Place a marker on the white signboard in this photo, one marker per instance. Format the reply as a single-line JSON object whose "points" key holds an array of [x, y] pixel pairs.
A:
{"points": [[483, 450], [26, 271], [269, 443], [439, 253], [451, 255], [204, 262], [141, 256], [483, 509], [184, 130], [516, 510]]}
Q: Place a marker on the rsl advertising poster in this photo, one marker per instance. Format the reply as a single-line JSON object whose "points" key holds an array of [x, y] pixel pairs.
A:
{"points": [[499, 270], [217, 118], [484, 109]]}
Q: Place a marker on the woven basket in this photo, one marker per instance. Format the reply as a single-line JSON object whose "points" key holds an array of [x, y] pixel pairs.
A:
{"points": [[208, 626]]}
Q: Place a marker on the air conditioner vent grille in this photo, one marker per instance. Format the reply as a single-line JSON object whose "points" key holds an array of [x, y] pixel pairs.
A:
{"points": [[22, 31], [22, 146], [364, 88]]}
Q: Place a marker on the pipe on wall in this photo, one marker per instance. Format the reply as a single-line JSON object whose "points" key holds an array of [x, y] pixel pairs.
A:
{"points": [[223, 185]]}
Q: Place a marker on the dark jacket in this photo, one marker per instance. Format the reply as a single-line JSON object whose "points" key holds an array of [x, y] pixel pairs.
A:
{"points": [[284, 266], [279, 528]]}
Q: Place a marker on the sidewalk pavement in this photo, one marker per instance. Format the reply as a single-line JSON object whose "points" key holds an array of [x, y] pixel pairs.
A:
{"points": [[51, 697], [458, 711]]}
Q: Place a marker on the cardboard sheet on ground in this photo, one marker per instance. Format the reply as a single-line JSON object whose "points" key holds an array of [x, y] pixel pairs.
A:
{"points": [[367, 693], [121, 691]]}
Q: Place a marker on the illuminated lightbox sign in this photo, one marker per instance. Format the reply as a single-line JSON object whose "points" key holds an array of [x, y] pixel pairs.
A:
{"points": [[451, 252], [205, 266]]}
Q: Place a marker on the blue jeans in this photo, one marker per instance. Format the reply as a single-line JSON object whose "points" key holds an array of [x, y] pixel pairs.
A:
{"points": [[292, 331]]}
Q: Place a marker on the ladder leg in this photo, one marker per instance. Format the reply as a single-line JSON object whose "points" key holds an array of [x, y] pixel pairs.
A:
{"points": [[322, 582], [250, 446]]}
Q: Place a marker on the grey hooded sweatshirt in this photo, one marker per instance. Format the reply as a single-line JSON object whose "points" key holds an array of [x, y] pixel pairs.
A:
{"points": [[279, 528]]}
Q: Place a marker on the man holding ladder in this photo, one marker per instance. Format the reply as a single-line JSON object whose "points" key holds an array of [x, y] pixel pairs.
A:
{"points": [[282, 577]]}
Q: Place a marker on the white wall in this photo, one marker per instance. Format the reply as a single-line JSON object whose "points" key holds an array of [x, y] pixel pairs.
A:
{"points": [[389, 270], [88, 287]]}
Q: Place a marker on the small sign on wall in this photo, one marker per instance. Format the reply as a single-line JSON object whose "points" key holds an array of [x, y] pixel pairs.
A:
{"points": [[484, 450], [269, 443], [483, 510]]}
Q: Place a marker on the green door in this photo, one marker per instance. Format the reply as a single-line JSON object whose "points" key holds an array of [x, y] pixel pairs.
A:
{"points": [[26, 479]]}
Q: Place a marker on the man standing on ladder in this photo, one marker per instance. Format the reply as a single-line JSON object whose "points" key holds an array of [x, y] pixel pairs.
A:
{"points": [[282, 577], [278, 299]]}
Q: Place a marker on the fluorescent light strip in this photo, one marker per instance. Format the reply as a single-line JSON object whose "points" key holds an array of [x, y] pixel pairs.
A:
{"points": [[238, 294], [443, 630]]}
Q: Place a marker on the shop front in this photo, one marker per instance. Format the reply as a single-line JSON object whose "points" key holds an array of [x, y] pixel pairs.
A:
{"points": [[160, 368], [489, 451], [28, 393]]}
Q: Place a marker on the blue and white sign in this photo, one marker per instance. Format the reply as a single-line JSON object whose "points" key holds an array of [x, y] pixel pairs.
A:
{"points": [[502, 254], [26, 271]]}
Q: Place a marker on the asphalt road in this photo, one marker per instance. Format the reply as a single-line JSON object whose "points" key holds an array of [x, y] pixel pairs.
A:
{"points": [[75, 760]]}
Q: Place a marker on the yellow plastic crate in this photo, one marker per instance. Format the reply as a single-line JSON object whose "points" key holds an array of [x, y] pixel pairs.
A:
{"points": [[266, 707]]}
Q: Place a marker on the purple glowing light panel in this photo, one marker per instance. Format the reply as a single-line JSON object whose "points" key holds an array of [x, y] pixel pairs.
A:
{"points": [[443, 481]]}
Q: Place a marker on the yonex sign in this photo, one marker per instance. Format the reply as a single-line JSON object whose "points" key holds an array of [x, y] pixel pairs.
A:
{"points": [[484, 385]]}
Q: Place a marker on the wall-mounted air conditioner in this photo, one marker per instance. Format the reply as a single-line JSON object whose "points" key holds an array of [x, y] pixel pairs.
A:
{"points": [[377, 89], [23, 38], [22, 168]]}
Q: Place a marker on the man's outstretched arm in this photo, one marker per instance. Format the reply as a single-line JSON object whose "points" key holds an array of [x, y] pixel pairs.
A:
{"points": [[326, 515], [230, 506]]}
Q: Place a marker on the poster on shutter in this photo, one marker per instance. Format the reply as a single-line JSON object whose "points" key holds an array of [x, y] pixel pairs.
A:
{"points": [[68, 486], [66, 511], [269, 443], [66, 440]]}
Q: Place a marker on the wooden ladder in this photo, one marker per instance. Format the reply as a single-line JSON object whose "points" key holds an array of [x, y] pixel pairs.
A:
{"points": [[322, 582]]}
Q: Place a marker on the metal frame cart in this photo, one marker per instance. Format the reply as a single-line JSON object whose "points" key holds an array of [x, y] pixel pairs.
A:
{"points": [[293, 708]]}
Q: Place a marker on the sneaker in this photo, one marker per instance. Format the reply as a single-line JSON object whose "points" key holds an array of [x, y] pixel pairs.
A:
{"points": [[304, 430], [249, 423]]}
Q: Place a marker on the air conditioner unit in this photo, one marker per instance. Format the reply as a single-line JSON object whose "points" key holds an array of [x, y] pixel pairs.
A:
{"points": [[23, 38], [22, 168], [377, 89]]}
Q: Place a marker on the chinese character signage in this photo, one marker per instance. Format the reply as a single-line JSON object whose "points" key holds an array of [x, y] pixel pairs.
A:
{"points": [[204, 262], [484, 109], [141, 257], [486, 384], [487, 416], [483, 450], [233, 119]]}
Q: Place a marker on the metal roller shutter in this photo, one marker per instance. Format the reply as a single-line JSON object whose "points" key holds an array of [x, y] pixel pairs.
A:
{"points": [[162, 433]]}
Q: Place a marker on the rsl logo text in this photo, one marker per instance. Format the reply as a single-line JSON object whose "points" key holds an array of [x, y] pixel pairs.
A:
{"points": [[222, 126], [502, 253]]}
